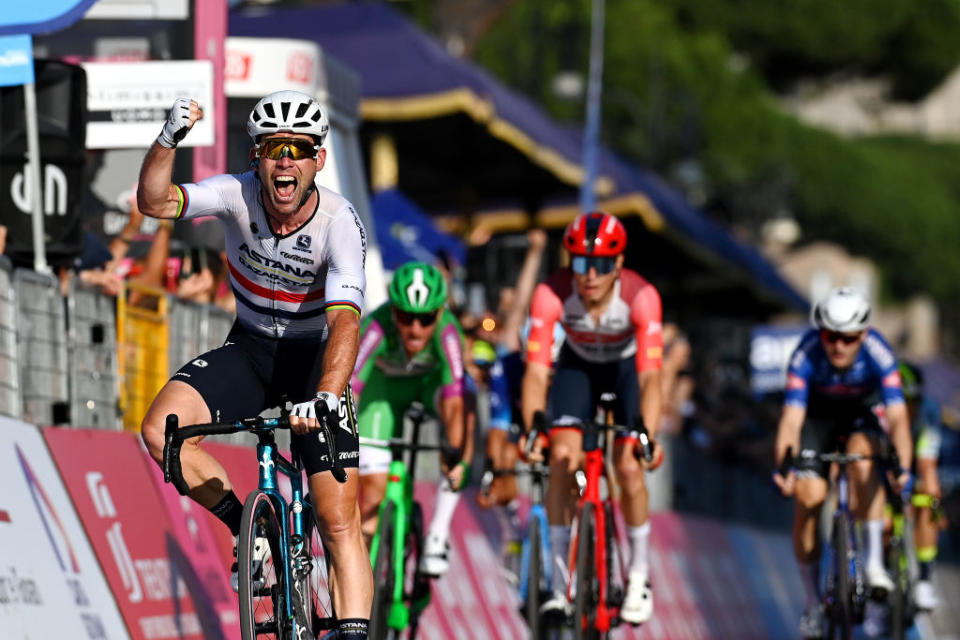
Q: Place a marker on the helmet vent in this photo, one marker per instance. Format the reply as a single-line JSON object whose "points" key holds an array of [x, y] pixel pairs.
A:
{"points": [[256, 117], [315, 117], [301, 109], [268, 109], [284, 110]]}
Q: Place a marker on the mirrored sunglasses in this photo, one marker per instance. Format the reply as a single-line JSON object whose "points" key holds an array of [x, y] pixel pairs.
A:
{"points": [[603, 265], [295, 149]]}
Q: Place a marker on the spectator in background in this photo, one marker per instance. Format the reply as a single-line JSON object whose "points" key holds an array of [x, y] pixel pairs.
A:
{"points": [[3, 239], [505, 336], [677, 381]]}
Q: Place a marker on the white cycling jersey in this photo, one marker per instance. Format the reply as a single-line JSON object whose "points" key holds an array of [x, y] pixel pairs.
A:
{"points": [[284, 284]]}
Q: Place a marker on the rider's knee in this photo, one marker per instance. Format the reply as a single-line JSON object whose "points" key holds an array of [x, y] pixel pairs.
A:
{"points": [[152, 435], [810, 495], [564, 457], [340, 524]]}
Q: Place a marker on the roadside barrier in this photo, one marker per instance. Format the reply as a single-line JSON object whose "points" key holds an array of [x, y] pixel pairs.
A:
{"points": [[10, 397], [143, 333], [92, 345], [41, 347]]}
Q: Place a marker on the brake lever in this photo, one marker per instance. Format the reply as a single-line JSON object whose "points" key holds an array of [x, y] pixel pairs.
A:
{"points": [[336, 467]]}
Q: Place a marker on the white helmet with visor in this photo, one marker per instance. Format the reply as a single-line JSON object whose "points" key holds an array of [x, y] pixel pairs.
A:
{"points": [[844, 310], [289, 112]]}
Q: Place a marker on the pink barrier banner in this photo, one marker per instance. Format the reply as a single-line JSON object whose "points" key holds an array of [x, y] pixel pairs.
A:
{"points": [[160, 594], [195, 540], [51, 585], [472, 601]]}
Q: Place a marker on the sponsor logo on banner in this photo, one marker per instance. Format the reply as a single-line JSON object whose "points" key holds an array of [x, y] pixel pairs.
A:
{"points": [[50, 583], [63, 550], [157, 588]]}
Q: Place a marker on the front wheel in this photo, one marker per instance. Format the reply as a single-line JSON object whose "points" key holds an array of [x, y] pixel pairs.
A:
{"points": [[841, 614], [899, 597], [260, 570], [586, 597], [531, 607], [383, 575], [313, 605]]}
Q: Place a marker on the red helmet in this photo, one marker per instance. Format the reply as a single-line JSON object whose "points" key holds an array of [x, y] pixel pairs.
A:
{"points": [[595, 234]]}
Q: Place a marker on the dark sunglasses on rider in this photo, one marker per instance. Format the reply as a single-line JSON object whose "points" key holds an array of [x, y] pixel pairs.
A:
{"points": [[406, 318], [603, 265], [835, 336], [293, 148]]}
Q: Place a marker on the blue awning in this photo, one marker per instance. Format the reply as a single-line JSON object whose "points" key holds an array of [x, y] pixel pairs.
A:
{"points": [[406, 233]]}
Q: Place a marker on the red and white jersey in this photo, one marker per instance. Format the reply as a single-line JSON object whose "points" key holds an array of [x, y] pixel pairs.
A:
{"points": [[630, 325], [284, 285]]}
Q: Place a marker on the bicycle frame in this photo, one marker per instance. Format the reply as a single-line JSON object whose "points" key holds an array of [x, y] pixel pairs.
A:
{"points": [[537, 512], [291, 526], [399, 493], [595, 469], [850, 565]]}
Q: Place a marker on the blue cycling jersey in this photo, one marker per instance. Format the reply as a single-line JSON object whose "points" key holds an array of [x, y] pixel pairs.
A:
{"points": [[810, 374], [500, 413]]}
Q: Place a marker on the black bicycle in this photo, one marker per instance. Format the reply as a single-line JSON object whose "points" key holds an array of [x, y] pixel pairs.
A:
{"points": [[286, 597]]}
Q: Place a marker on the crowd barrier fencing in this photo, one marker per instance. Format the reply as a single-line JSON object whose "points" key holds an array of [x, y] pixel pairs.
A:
{"points": [[92, 344], [10, 396], [41, 347]]}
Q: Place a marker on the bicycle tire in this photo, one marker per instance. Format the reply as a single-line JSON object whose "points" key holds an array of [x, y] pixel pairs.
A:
{"points": [[841, 618], [585, 598], [534, 577], [418, 593], [314, 612], [898, 597], [259, 608], [383, 575]]}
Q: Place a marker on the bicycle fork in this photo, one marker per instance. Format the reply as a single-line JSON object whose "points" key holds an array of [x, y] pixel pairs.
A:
{"points": [[593, 469]]}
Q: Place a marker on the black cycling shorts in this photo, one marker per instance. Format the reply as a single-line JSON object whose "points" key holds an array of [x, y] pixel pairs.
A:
{"points": [[828, 422], [578, 384], [251, 373]]}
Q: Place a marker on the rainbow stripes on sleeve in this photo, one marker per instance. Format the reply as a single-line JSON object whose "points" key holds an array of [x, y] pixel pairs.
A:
{"points": [[183, 201], [342, 304]]}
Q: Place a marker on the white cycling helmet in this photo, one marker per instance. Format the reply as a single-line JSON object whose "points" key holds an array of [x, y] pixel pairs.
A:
{"points": [[845, 310], [289, 112]]}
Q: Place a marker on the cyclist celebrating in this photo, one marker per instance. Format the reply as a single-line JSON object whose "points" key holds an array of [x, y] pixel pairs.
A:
{"points": [[926, 426], [412, 350], [296, 255], [838, 375], [612, 319]]}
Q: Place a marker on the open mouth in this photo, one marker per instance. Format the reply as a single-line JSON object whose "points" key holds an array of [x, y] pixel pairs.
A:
{"points": [[284, 187]]}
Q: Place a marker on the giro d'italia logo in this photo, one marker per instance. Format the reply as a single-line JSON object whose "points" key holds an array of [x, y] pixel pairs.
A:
{"points": [[417, 292]]}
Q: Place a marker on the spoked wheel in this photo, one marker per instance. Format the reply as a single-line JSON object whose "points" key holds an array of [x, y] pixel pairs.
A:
{"points": [[312, 602], [586, 597], [261, 587], [531, 608], [383, 575], [841, 613]]}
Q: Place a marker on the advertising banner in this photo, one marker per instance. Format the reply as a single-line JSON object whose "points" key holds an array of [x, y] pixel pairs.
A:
{"points": [[16, 60], [258, 66], [770, 349], [471, 601], [50, 583], [128, 102], [160, 594]]}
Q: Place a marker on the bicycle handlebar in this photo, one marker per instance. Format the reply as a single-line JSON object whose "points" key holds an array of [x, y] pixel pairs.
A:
{"points": [[174, 437]]}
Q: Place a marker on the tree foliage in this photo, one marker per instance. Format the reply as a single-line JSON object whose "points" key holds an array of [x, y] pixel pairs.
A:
{"points": [[678, 89]]}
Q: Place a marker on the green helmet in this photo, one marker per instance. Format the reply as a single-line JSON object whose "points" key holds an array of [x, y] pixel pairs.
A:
{"points": [[418, 287]]}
